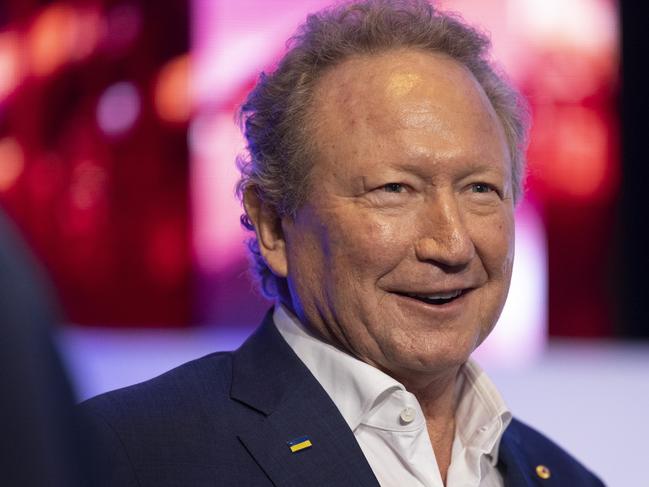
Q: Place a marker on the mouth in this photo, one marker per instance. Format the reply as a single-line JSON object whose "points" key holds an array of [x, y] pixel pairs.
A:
{"points": [[437, 299]]}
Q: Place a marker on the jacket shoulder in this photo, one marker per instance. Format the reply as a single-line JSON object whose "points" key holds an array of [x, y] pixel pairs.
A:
{"points": [[171, 392], [169, 430], [536, 449]]}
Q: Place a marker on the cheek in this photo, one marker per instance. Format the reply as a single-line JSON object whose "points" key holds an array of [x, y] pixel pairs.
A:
{"points": [[306, 250], [506, 243], [369, 244], [494, 242]]}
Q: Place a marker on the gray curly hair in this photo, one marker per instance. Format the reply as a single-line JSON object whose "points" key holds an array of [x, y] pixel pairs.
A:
{"points": [[274, 115]]}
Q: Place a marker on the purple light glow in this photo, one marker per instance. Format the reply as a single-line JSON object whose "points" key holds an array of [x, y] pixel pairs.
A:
{"points": [[118, 108]]}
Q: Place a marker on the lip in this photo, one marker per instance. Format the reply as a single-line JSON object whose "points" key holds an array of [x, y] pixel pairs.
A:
{"points": [[452, 306], [436, 291]]}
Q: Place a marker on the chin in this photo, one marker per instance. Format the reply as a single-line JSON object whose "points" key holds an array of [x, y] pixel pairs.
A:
{"points": [[431, 361]]}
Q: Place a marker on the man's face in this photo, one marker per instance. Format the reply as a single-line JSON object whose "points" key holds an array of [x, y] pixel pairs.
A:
{"points": [[402, 253]]}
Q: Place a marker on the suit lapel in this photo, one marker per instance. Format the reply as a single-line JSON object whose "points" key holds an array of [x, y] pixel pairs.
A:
{"points": [[511, 463], [270, 378]]}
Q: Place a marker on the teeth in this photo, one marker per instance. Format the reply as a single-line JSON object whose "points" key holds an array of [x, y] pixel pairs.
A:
{"points": [[449, 295]]}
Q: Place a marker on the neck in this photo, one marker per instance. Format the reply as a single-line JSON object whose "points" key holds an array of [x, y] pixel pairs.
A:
{"points": [[438, 400]]}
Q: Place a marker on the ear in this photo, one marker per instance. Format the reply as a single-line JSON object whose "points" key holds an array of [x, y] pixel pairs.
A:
{"points": [[268, 228]]}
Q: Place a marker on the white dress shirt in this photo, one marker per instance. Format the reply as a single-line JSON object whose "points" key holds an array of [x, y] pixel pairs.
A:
{"points": [[388, 421]]}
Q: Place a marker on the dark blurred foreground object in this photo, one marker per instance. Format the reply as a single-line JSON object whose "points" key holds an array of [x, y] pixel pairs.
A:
{"points": [[39, 445]]}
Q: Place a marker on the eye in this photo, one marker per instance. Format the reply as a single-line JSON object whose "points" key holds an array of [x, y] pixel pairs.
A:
{"points": [[482, 188], [394, 188], [391, 195]]}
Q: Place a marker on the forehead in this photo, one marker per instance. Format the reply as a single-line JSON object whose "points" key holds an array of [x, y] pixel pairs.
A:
{"points": [[393, 75], [404, 91]]}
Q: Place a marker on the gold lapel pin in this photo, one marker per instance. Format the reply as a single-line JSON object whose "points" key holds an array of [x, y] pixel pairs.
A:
{"points": [[543, 472]]}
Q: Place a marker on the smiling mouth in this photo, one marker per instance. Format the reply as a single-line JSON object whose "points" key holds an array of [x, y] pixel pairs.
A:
{"points": [[437, 299]]}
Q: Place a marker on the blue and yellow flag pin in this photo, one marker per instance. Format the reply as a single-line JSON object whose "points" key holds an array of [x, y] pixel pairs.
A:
{"points": [[299, 444]]}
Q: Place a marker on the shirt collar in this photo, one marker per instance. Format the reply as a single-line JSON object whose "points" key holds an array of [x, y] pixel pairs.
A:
{"points": [[482, 415], [353, 385], [356, 388]]}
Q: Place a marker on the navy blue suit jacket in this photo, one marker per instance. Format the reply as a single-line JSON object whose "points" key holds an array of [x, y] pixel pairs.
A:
{"points": [[226, 419]]}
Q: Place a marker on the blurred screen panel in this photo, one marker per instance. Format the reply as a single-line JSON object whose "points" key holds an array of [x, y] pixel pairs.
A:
{"points": [[94, 167]]}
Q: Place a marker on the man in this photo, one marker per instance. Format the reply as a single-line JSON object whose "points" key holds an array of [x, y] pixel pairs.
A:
{"points": [[385, 159]]}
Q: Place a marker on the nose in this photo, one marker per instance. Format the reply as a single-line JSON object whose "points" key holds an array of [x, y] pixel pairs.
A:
{"points": [[444, 237]]}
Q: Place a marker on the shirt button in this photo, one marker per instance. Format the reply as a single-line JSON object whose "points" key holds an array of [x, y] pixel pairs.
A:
{"points": [[407, 415]]}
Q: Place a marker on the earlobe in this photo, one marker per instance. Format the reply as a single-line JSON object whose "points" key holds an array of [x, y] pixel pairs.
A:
{"points": [[268, 229]]}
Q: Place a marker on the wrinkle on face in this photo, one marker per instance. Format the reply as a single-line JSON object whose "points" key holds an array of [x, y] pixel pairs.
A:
{"points": [[420, 116]]}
